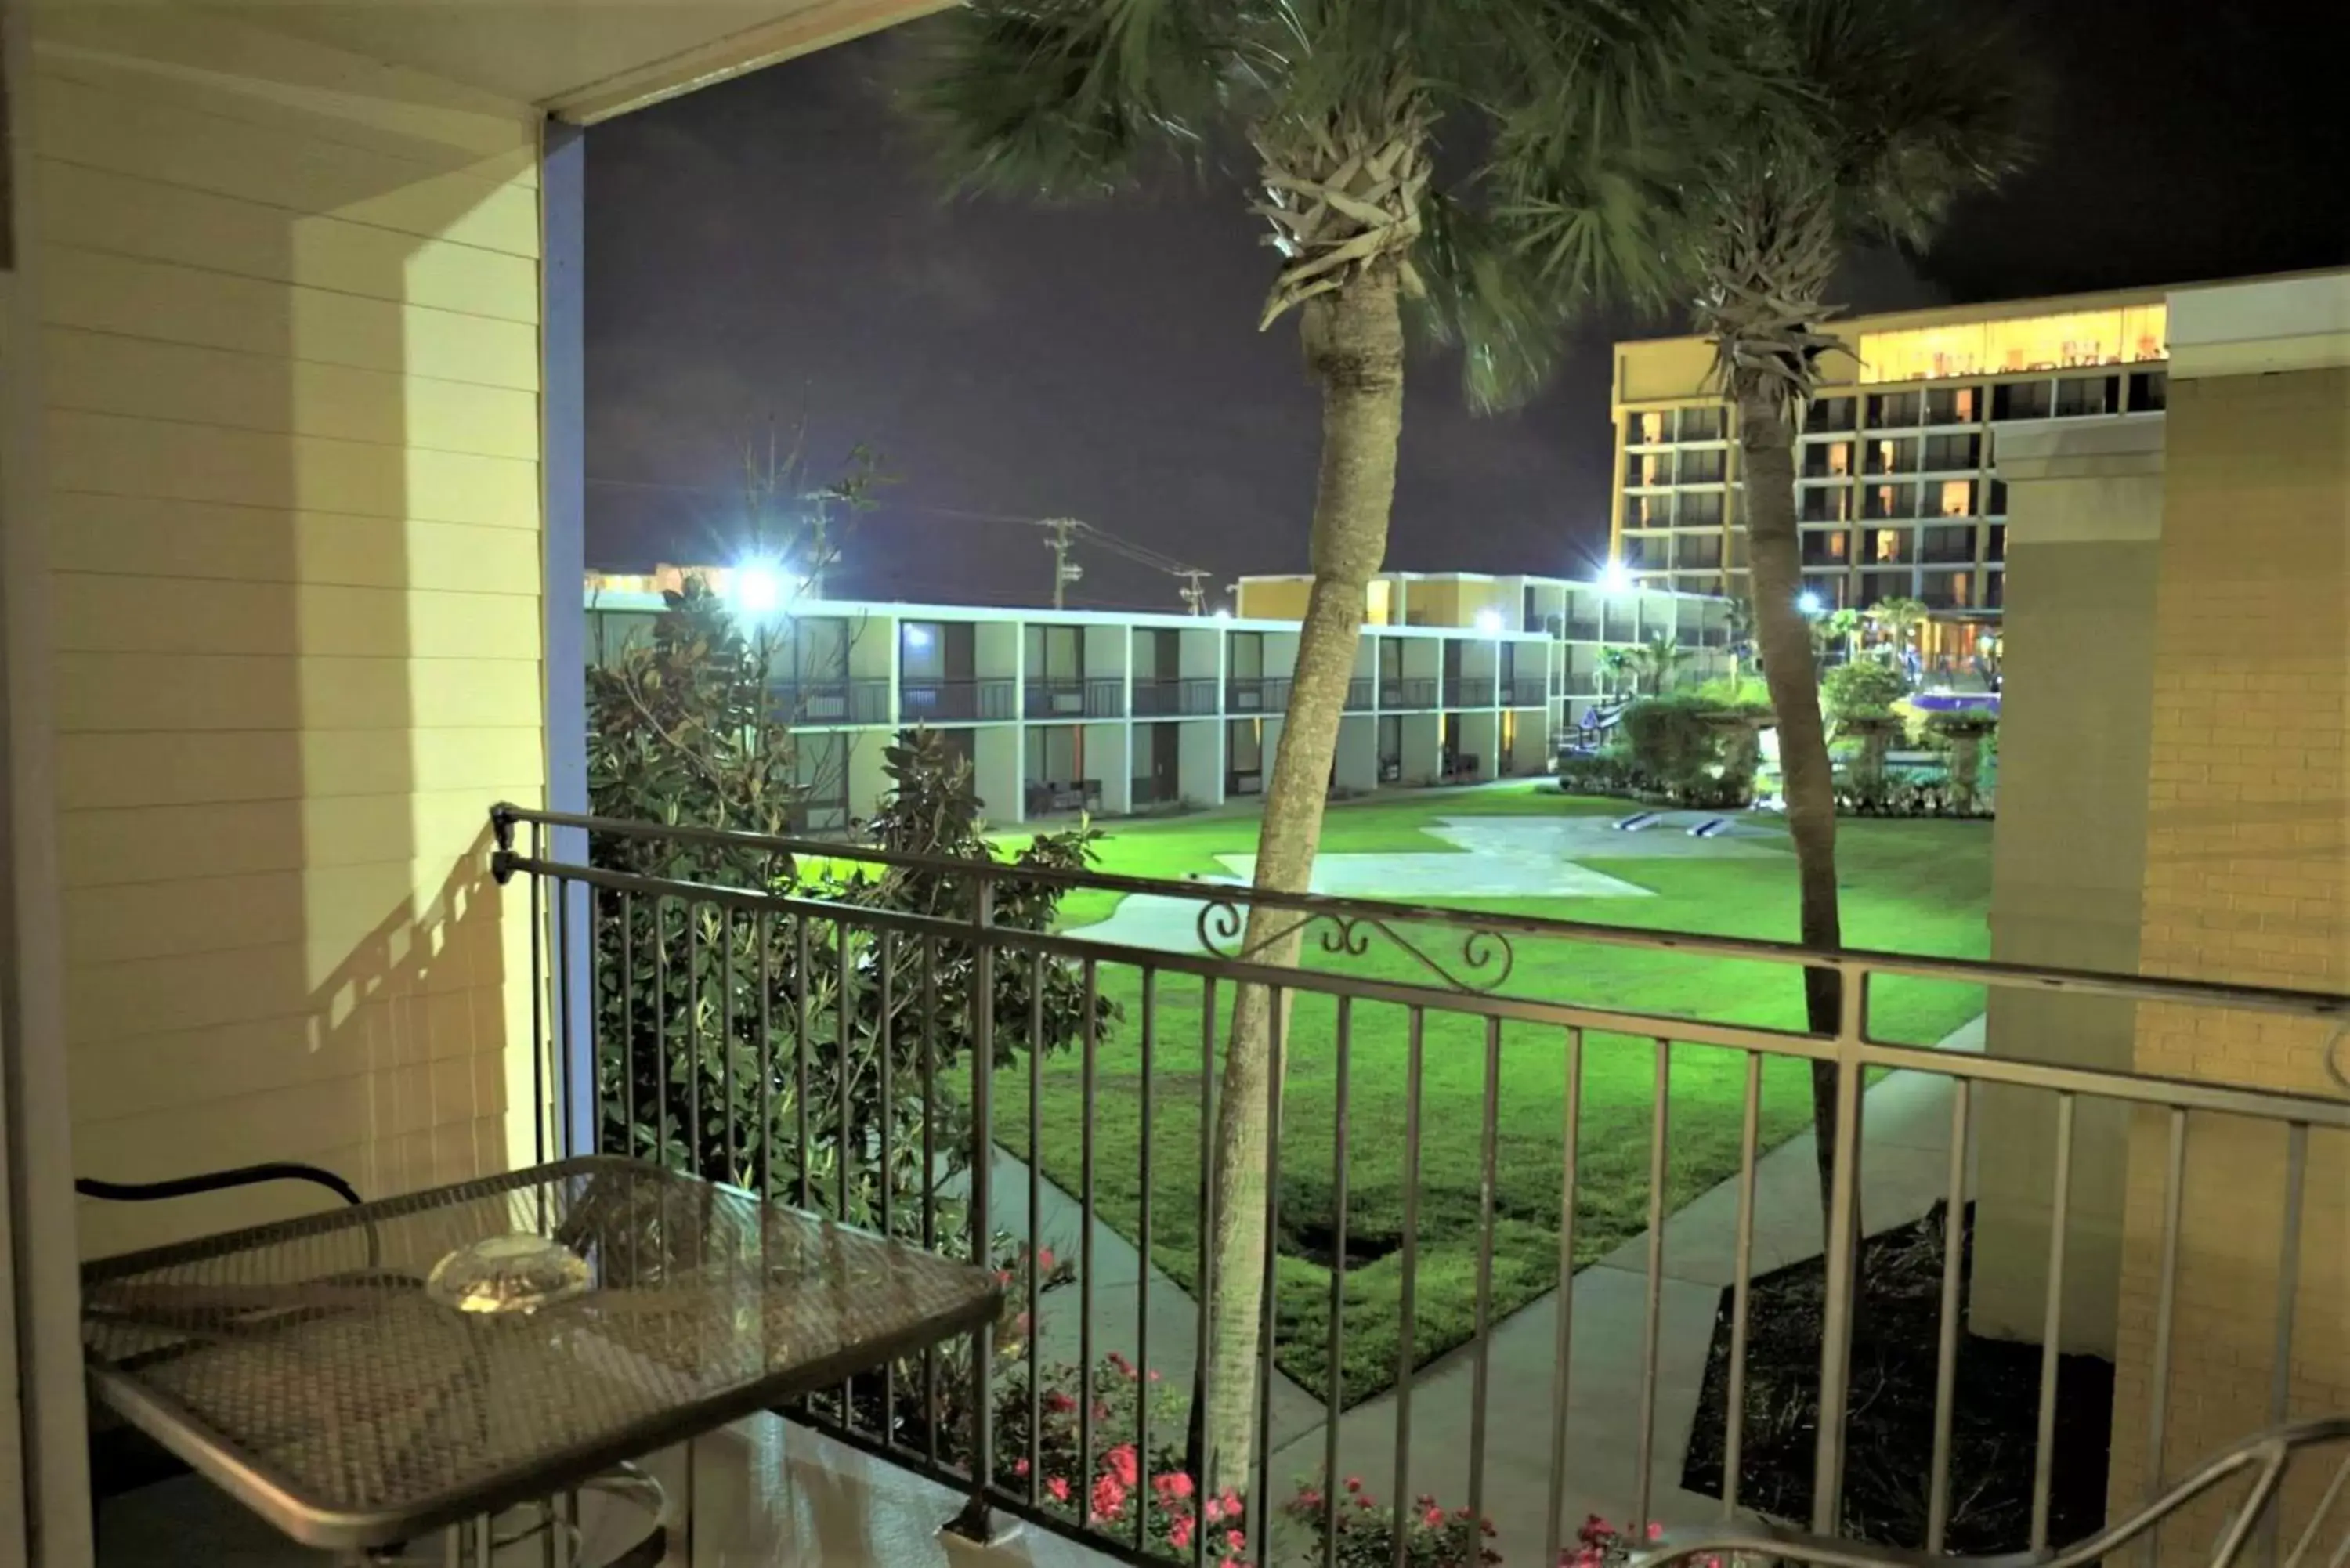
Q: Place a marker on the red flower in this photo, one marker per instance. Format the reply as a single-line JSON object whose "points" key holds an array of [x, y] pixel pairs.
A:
{"points": [[1058, 1403], [1045, 1259], [1174, 1484], [1059, 1487], [1121, 1365], [1236, 1540], [1433, 1519], [1002, 1276], [1020, 1468], [1215, 1510], [1309, 1498], [1656, 1530], [1110, 1497], [1121, 1462], [1178, 1531], [1354, 1483]]}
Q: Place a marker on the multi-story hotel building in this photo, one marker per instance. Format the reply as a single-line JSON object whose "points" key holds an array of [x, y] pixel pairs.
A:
{"points": [[1896, 494], [1581, 620], [1115, 713]]}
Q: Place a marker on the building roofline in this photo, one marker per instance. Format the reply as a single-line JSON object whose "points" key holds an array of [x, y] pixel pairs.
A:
{"points": [[633, 599], [2037, 305]]}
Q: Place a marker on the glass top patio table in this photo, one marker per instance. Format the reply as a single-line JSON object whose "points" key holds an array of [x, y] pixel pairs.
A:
{"points": [[304, 1366]]}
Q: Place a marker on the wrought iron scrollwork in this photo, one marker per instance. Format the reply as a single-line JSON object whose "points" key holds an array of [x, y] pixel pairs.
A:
{"points": [[1481, 963]]}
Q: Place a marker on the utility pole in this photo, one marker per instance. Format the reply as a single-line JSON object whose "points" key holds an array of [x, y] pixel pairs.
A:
{"points": [[1194, 591], [1059, 531]]}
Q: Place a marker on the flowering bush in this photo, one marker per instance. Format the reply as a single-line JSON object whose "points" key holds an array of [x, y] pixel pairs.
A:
{"points": [[1599, 1544], [1366, 1534]]}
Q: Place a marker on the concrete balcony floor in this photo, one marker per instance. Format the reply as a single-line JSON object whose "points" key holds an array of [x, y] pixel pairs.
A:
{"points": [[766, 1494]]}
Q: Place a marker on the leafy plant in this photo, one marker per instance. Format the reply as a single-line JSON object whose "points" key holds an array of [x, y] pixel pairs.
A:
{"points": [[1609, 772], [1659, 661], [1356, 1531], [1864, 688], [813, 1056], [1687, 751]]}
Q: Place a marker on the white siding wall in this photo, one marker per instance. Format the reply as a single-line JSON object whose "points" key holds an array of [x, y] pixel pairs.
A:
{"points": [[291, 365]]}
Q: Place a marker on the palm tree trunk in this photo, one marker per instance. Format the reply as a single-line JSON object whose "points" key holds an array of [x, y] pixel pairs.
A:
{"points": [[1767, 447], [1354, 342]]}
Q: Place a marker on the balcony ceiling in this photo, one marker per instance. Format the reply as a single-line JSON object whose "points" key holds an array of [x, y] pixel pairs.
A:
{"points": [[581, 60]]}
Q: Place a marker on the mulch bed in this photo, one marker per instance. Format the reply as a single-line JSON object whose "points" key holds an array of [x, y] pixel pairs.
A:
{"points": [[1889, 1445]]}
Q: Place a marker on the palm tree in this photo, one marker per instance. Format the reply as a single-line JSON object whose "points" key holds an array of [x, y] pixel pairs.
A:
{"points": [[1340, 101], [1904, 105], [1902, 620], [1617, 665], [1659, 660], [1740, 623]]}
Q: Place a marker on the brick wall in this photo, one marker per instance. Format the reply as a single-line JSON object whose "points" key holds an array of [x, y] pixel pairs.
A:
{"points": [[2247, 880]]}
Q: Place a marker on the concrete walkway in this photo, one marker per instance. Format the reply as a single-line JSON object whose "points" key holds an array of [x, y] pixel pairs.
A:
{"points": [[1906, 1168]]}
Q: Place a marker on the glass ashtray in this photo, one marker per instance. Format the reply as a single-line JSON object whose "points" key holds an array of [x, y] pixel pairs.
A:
{"points": [[516, 1274]]}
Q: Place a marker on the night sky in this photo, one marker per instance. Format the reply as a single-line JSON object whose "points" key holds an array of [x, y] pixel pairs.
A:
{"points": [[781, 247]]}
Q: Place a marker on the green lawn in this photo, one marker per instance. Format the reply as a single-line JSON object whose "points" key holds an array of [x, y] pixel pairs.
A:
{"points": [[1919, 886]]}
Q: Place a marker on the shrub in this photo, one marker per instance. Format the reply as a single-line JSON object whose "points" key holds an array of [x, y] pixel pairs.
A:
{"points": [[1690, 752], [1864, 688], [1597, 772], [1748, 694], [1363, 1534]]}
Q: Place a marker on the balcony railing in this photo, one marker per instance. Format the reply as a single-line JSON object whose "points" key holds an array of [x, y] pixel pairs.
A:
{"points": [[763, 1035], [1189, 697], [1405, 695], [1102, 697], [1468, 692], [1529, 691], [833, 701], [1257, 694], [956, 701], [1358, 694]]}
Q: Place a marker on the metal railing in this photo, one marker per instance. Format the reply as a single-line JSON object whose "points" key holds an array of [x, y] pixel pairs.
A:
{"points": [[957, 701], [1358, 694], [840, 702], [1098, 697], [1410, 693], [1184, 697], [1257, 694], [801, 1019], [1529, 691], [1468, 692]]}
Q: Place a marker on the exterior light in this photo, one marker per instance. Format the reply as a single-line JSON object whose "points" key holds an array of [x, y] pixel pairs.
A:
{"points": [[1615, 577], [758, 589], [1489, 621], [1222, 613], [918, 636], [1809, 603]]}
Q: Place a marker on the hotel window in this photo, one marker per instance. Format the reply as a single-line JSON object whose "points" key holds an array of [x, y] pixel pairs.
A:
{"points": [[1892, 456], [1641, 551], [1890, 500], [1891, 408], [1826, 458], [1889, 544], [1947, 590], [1700, 509], [1947, 545], [1994, 589], [1948, 453], [1825, 503], [1701, 424], [2021, 401], [1828, 414], [1652, 428], [1701, 551], [1953, 406], [1998, 542], [2148, 390], [1876, 587], [1832, 548], [1647, 511], [1649, 468], [1997, 505], [1703, 467], [1954, 498], [2088, 395]]}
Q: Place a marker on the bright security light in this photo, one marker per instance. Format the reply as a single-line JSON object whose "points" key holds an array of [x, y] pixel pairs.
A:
{"points": [[758, 589], [1809, 604], [1615, 577], [1222, 614], [1489, 621], [918, 636]]}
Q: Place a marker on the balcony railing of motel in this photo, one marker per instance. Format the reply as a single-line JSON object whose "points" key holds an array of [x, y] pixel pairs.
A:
{"points": [[850, 701], [1529, 691], [957, 701], [1359, 691], [1257, 694], [1469, 691], [1416, 692], [1097, 697], [729, 1062], [1185, 698]]}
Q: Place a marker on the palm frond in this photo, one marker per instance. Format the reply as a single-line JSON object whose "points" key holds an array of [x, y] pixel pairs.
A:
{"points": [[1484, 295], [1068, 97]]}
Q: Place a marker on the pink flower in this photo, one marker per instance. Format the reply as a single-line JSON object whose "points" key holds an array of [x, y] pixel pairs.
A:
{"points": [[1236, 1540], [1020, 1468], [1215, 1510], [1110, 1497], [1656, 1530], [1002, 1276], [1178, 1531], [1059, 1487], [1433, 1519], [1020, 1324], [1121, 1462], [1232, 1501], [1309, 1498], [1354, 1483], [1174, 1484], [1121, 1365], [1058, 1403], [1045, 1259], [1364, 1503]]}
